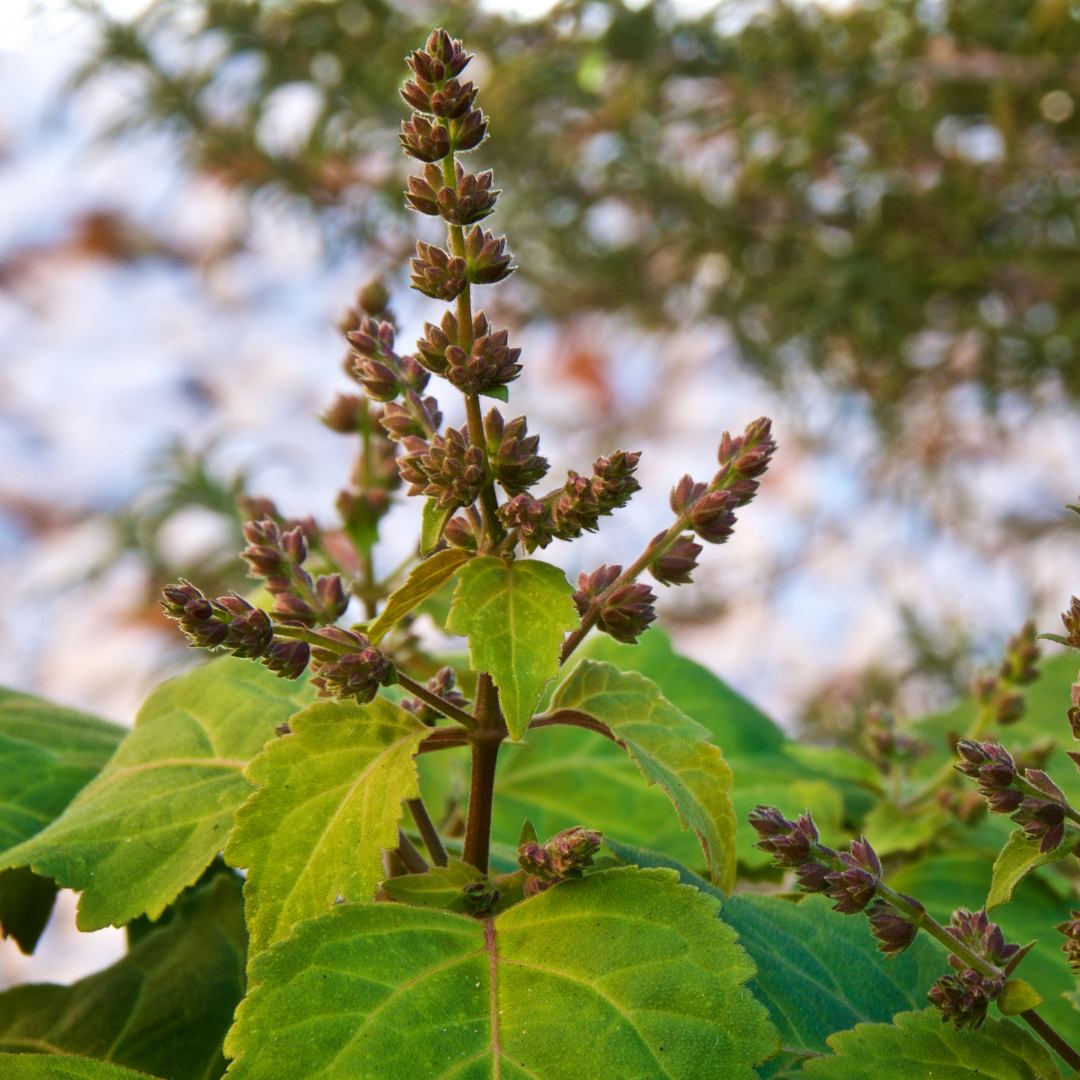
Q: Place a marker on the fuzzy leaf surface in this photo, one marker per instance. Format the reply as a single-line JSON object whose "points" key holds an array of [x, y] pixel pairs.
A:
{"points": [[817, 973], [153, 819], [440, 887], [515, 615], [164, 1008], [668, 747], [46, 1067], [424, 581], [918, 1046], [329, 801], [432, 522], [1017, 859], [622, 974]]}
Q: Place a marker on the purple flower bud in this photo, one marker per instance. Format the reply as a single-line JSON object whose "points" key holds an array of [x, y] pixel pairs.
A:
{"points": [[288, 659], [1071, 947], [438, 274], [563, 857], [893, 931], [486, 257], [813, 877], [852, 889], [675, 566], [962, 999]]}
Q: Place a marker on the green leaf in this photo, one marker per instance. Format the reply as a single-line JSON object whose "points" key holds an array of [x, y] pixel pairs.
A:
{"points": [[1017, 997], [432, 522], [501, 393], [890, 829], [515, 615], [946, 882], [46, 1067], [817, 972], [1017, 859], [624, 973], [668, 747], [164, 1008], [918, 1046], [154, 818], [440, 887], [47, 753], [425, 580], [329, 801], [738, 727], [26, 902], [835, 763]]}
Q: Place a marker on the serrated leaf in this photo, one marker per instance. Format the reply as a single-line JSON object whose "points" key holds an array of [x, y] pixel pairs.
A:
{"points": [[26, 902], [668, 747], [154, 818], [624, 973], [425, 580], [329, 801], [817, 972], [515, 615], [164, 1008], [432, 522], [918, 1046], [946, 882], [47, 1067], [1017, 859], [440, 887]]}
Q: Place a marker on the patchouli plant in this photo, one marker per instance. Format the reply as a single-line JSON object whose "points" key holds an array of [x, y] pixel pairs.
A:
{"points": [[340, 855]]}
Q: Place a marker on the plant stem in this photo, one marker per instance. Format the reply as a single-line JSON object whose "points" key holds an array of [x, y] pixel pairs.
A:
{"points": [[407, 853], [485, 755], [451, 712], [428, 833], [1051, 1038]]}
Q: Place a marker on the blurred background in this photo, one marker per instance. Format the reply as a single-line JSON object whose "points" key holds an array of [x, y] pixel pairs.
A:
{"points": [[859, 219]]}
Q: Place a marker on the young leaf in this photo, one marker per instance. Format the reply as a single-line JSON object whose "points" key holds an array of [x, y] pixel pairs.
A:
{"points": [[917, 1045], [668, 747], [163, 1008], [329, 802], [1017, 859], [425, 579], [1017, 997], [816, 972], [440, 887], [432, 523], [26, 902], [624, 973], [154, 818], [515, 615], [38, 1066]]}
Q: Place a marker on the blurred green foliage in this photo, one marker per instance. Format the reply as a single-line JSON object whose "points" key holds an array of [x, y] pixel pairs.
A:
{"points": [[886, 194]]}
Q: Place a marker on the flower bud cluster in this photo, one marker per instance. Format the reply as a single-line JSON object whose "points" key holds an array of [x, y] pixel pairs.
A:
{"points": [[476, 368], [435, 91], [625, 612], [1071, 948], [512, 453], [1020, 666], [1041, 813], [1071, 619], [577, 506], [743, 460], [962, 999], [437, 273], [349, 666], [442, 686], [471, 198], [448, 468], [676, 560], [277, 556], [419, 417], [230, 622], [563, 857], [377, 368]]}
